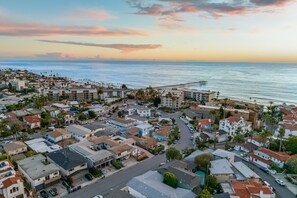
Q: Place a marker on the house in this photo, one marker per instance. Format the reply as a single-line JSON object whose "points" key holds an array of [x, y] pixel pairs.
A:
{"points": [[186, 179], [32, 121], [199, 95], [247, 189], [38, 172], [121, 151], [222, 154], [140, 110], [256, 140], [221, 170], [220, 135], [192, 156], [265, 157], [79, 132], [244, 173], [15, 148], [95, 127], [204, 124], [234, 123], [120, 122], [11, 184], [146, 143], [245, 147], [150, 184], [69, 162], [41, 145], [163, 132], [145, 129], [58, 135], [95, 156]]}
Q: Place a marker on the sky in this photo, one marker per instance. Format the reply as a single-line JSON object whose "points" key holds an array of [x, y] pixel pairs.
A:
{"points": [[177, 30]]}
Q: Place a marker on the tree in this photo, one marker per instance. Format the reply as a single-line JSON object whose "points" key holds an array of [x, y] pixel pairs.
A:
{"points": [[264, 135], [203, 160], [281, 134], [82, 117], [124, 86], [205, 194], [45, 115], [15, 128], [173, 121], [200, 144], [211, 183], [170, 179], [291, 145], [238, 138], [173, 153], [291, 165], [157, 101], [45, 123], [92, 114]]}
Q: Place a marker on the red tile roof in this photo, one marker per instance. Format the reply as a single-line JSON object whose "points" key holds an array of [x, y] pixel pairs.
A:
{"points": [[269, 162], [291, 127], [247, 189], [233, 119], [282, 156], [10, 181], [32, 119]]}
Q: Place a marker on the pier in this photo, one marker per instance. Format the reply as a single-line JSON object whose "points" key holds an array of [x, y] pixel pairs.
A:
{"points": [[203, 82]]}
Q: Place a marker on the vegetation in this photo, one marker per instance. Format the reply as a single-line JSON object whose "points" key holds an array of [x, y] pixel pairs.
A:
{"points": [[291, 145], [96, 172], [187, 151], [275, 167], [291, 166], [170, 179], [205, 194], [211, 184], [157, 150], [174, 135], [201, 144], [173, 153], [92, 114], [116, 164], [203, 160], [82, 117], [238, 138]]}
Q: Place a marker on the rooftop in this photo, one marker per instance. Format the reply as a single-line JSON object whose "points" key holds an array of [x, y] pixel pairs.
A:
{"points": [[221, 166], [35, 168], [282, 156], [58, 132], [66, 158], [78, 130], [13, 146]]}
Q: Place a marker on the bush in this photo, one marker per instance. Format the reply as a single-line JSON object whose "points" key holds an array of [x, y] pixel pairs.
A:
{"points": [[291, 165], [276, 168], [3, 156], [116, 164], [170, 179], [96, 172], [173, 153]]}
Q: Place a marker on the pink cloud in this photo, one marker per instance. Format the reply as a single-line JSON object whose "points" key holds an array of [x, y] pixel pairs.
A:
{"points": [[61, 56], [89, 14], [124, 48], [30, 30]]}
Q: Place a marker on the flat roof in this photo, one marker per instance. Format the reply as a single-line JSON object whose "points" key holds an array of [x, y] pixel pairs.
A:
{"points": [[221, 166], [41, 145]]}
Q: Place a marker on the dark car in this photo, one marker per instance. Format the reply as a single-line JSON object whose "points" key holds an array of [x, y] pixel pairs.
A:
{"points": [[53, 192], [89, 177], [264, 169], [44, 194]]}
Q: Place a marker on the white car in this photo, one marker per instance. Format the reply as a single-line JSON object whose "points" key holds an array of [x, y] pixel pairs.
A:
{"points": [[280, 182], [98, 196]]}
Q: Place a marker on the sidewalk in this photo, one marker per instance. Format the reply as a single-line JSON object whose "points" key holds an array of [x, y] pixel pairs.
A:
{"points": [[291, 187]]}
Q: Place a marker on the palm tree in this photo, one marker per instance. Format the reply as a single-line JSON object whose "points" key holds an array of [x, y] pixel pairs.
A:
{"points": [[265, 134], [281, 134]]}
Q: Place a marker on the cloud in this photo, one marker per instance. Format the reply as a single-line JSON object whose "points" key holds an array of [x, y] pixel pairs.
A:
{"points": [[29, 30], [173, 8], [124, 48], [61, 56], [89, 14]]}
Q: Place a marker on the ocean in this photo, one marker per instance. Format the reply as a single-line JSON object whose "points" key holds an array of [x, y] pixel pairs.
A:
{"points": [[255, 82]]}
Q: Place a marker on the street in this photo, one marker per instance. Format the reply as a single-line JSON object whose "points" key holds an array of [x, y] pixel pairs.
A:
{"points": [[280, 191], [121, 178]]}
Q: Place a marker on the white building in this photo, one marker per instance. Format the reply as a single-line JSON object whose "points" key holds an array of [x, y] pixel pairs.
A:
{"points": [[231, 124], [172, 99], [79, 132], [144, 129], [199, 95], [39, 172], [141, 111], [11, 184], [58, 135]]}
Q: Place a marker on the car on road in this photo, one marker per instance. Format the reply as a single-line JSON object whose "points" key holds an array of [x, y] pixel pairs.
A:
{"points": [[264, 169], [175, 142], [89, 176], [44, 194], [53, 192], [272, 172], [162, 164], [98, 196], [162, 152], [280, 182]]}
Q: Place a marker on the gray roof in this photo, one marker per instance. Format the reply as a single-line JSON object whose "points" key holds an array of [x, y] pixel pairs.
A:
{"points": [[222, 195], [224, 154], [66, 158], [35, 168], [151, 185], [244, 170], [94, 126], [221, 166], [119, 194], [78, 130], [191, 157]]}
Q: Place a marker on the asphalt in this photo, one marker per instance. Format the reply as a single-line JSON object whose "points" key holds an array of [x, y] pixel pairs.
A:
{"points": [[280, 191], [120, 179]]}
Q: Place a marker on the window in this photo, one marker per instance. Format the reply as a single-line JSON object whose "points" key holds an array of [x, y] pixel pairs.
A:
{"points": [[82, 165], [71, 169]]}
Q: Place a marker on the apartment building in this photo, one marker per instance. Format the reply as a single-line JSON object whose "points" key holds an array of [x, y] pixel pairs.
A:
{"points": [[172, 99], [199, 95]]}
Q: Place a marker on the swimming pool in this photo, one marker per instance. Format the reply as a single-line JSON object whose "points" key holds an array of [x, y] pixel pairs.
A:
{"points": [[202, 175]]}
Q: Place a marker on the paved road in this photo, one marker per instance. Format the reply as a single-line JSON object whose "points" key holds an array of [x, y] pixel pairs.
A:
{"points": [[120, 179], [280, 191]]}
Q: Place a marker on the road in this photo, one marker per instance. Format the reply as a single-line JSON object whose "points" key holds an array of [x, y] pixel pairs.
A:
{"points": [[120, 179], [280, 191]]}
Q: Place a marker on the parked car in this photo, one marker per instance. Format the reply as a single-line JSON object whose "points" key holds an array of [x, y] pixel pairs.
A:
{"points": [[44, 194], [89, 176], [53, 192], [272, 172], [264, 169], [162, 164], [98, 196], [280, 182]]}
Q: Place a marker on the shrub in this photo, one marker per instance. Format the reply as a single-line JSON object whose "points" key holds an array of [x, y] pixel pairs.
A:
{"points": [[170, 179], [116, 164]]}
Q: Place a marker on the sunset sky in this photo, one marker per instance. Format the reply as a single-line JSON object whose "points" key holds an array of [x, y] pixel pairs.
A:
{"points": [[202, 30]]}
